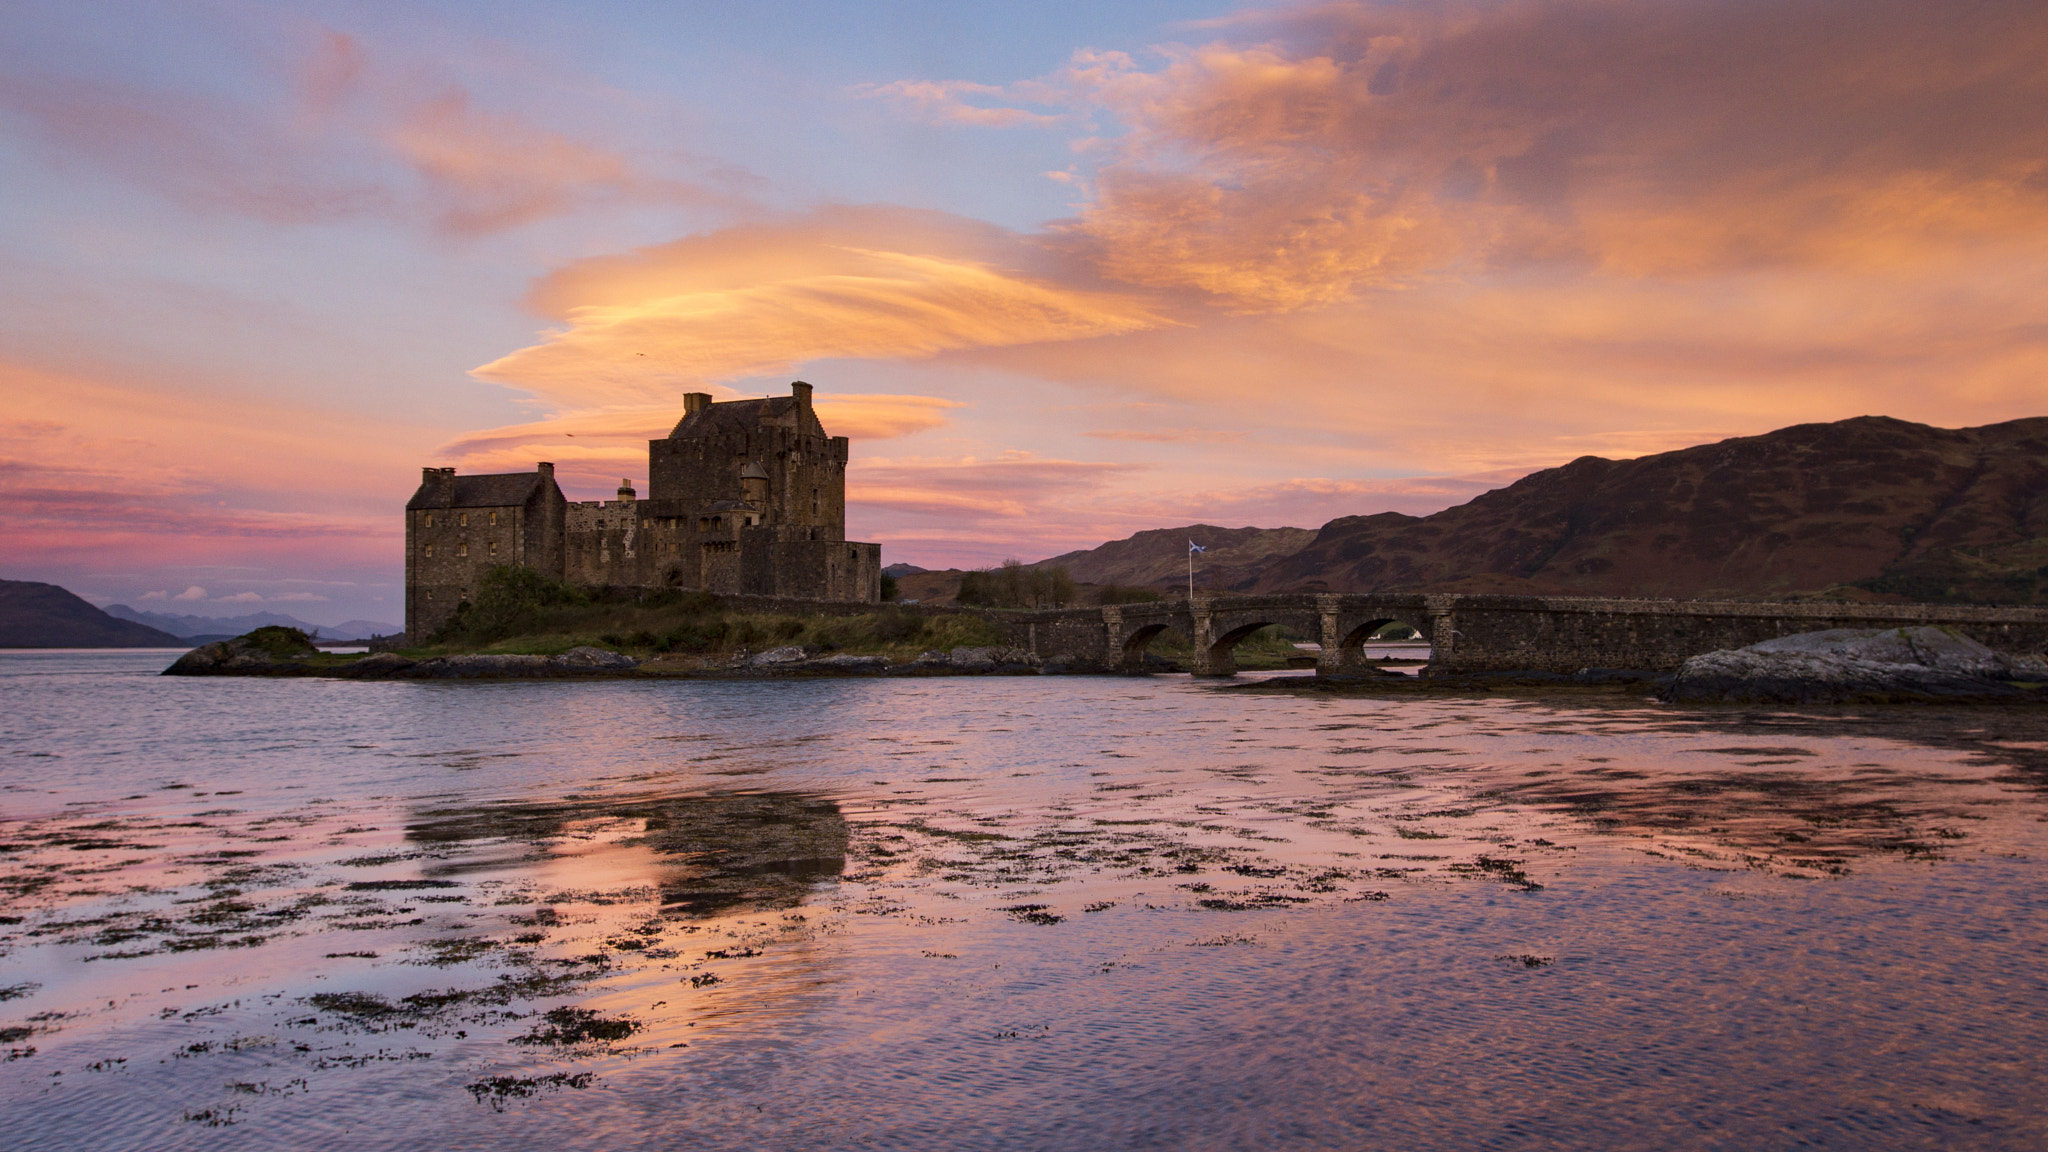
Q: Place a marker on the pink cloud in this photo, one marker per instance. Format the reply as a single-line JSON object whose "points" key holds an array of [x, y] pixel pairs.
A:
{"points": [[490, 171], [354, 139], [947, 102]]}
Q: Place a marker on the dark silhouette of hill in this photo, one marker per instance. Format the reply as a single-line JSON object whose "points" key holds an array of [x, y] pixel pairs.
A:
{"points": [[1870, 507], [1159, 556], [34, 615]]}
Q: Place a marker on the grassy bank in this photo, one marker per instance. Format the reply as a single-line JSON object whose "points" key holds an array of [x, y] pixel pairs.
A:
{"points": [[517, 611]]}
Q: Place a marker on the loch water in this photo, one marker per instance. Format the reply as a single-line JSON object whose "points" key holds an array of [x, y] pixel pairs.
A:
{"points": [[1016, 913]]}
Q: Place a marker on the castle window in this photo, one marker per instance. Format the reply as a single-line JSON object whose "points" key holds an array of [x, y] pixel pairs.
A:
{"points": [[494, 547], [462, 519], [814, 502], [494, 519], [462, 549], [430, 551], [430, 519]]}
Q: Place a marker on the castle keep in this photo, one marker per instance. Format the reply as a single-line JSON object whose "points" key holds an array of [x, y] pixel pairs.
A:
{"points": [[747, 497]]}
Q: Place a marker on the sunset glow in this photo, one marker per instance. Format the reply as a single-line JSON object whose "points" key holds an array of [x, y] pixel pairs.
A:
{"points": [[1060, 276]]}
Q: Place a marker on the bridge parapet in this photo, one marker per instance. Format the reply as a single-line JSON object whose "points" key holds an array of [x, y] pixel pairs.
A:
{"points": [[1480, 634]]}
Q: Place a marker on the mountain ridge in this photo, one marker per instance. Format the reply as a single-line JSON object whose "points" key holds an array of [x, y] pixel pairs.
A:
{"points": [[1869, 507], [38, 615]]}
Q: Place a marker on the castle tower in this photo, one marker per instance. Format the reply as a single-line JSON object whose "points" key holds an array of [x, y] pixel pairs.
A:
{"points": [[459, 527], [745, 497]]}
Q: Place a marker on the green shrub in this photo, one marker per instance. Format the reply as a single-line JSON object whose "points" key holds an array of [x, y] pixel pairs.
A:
{"points": [[509, 601], [278, 640], [693, 636], [895, 626]]}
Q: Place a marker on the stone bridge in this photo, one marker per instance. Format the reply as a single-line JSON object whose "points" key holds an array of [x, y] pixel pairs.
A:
{"points": [[1486, 634]]}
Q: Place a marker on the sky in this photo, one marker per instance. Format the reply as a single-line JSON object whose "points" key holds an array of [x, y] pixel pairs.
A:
{"points": [[1062, 271]]}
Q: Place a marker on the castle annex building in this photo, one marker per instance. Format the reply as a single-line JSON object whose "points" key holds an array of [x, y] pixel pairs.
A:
{"points": [[748, 496]]}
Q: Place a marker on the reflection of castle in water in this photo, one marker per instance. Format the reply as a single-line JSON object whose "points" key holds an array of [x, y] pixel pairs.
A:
{"points": [[750, 852]]}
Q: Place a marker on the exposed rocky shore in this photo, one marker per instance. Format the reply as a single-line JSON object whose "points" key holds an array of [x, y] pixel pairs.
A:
{"points": [[1848, 666], [259, 654], [1839, 666]]}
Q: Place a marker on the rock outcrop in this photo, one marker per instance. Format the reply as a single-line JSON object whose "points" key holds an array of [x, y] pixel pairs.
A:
{"points": [[1846, 666], [971, 661], [794, 660], [497, 665], [272, 650], [285, 652]]}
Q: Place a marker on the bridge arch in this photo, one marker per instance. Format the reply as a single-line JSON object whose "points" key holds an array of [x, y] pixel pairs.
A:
{"points": [[1345, 635], [1139, 639]]}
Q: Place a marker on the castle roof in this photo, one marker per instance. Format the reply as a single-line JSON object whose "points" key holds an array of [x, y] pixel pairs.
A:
{"points": [[746, 415], [502, 490]]}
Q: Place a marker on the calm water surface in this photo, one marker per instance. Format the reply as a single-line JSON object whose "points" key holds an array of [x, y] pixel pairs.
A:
{"points": [[1004, 913]]}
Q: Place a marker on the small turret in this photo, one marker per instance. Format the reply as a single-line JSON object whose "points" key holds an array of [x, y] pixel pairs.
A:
{"points": [[754, 483]]}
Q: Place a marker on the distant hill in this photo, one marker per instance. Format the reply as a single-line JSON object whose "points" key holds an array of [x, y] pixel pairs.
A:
{"points": [[1870, 507], [197, 627], [34, 615], [1159, 557]]}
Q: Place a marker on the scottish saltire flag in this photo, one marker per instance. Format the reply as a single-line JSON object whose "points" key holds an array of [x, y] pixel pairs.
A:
{"points": [[1194, 548]]}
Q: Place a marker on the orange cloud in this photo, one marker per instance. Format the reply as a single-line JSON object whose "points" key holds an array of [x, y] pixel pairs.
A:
{"points": [[757, 299], [1316, 152], [596, 448]]}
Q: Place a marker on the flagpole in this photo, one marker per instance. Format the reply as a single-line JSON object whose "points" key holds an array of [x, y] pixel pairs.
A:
{"points": [[1191, 572]]}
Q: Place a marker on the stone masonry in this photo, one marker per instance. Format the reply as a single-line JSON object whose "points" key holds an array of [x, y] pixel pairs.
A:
{"points": [[746, 497], [1488, 634]]}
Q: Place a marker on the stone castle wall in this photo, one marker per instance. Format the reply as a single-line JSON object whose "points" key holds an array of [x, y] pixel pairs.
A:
{"points": [[746, 497]]}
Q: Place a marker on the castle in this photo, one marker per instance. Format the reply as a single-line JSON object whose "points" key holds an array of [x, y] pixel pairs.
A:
{"points": [[747, 497]]}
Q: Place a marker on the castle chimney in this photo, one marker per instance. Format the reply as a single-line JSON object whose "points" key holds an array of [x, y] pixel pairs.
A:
{"points": [[430, 475], [695, 402], [625, 491], [546, 470], [802, 392]]}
